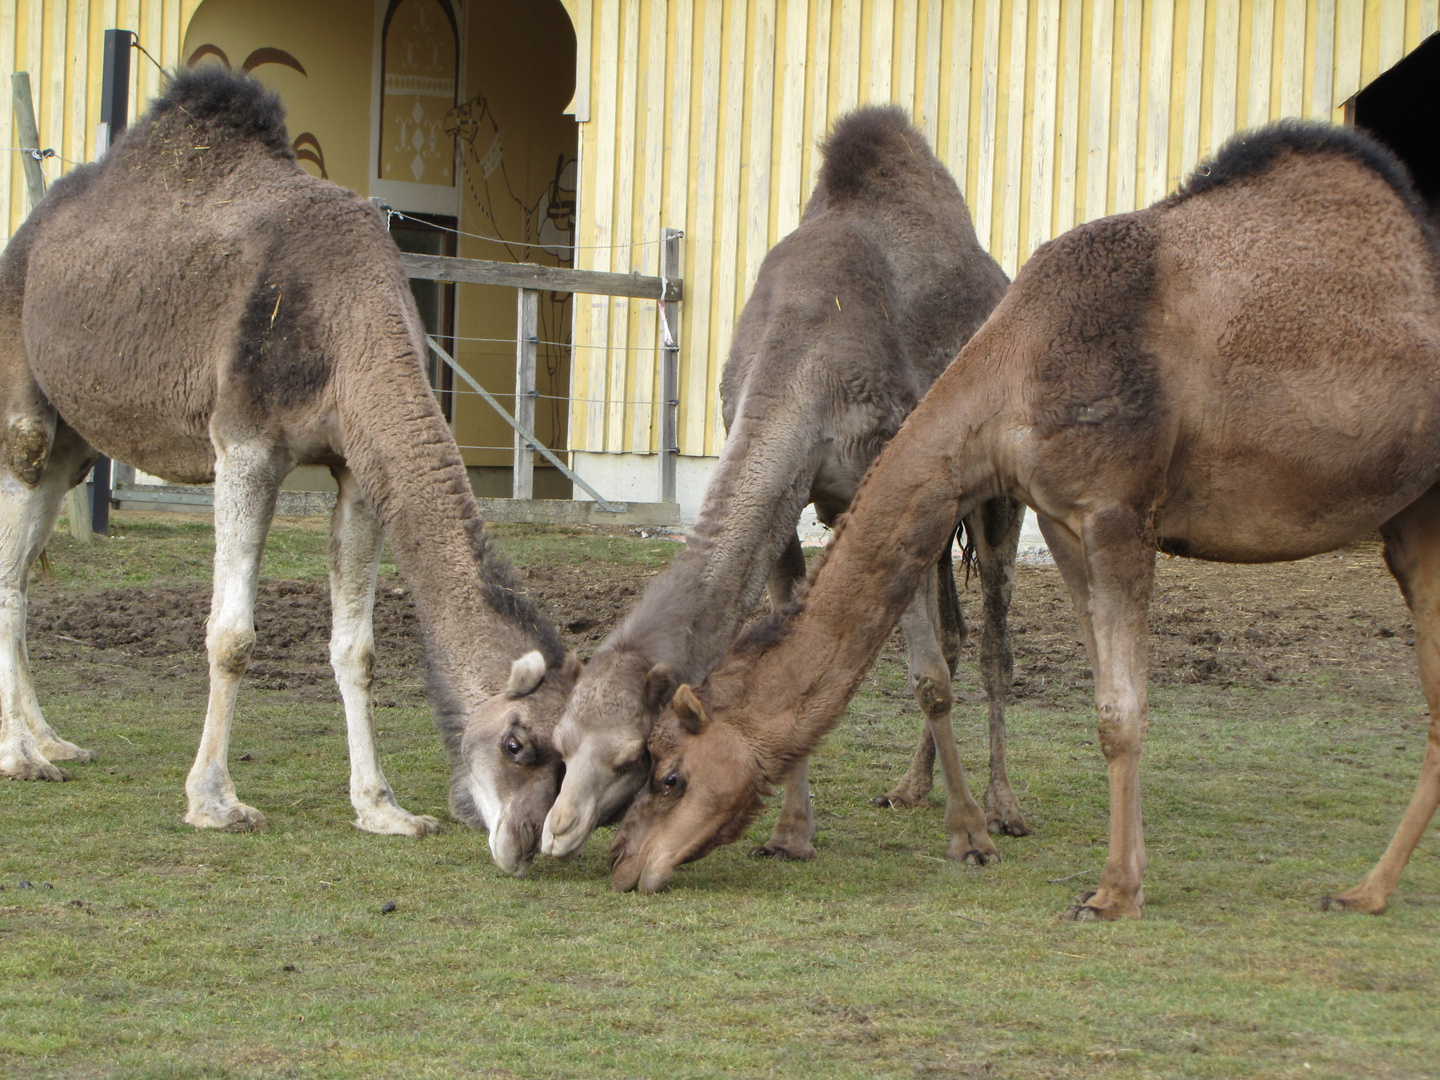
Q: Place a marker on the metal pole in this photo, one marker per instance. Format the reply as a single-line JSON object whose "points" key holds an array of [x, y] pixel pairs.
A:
{"points": [[527, 336], [670, 270], [77, 506], [114, 118]]}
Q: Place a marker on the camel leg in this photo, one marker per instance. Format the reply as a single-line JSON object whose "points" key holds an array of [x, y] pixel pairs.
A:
{"points": [[1119, 576], [1412, 551], [28, 745], [355, 542], [996, 530], [930, 679], [247, 479], [794, 833]]}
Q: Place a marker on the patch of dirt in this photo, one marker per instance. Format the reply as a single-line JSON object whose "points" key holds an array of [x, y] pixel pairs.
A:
{"points": [[1250, 626]]}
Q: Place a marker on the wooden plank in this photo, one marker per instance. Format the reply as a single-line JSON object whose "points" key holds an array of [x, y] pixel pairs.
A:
{"points": [[174, 42], [957, 136], [882, 45], [819, 80], [1262, 35], [1322, 89], [1292, 64], [34, 62], [694, 376], [527, 333], [1227, 61], [8, 66], [1157, 126], [1097, 146], [533, 276], [153, 38], [80, 80], [904, 93], [651, 164], [677, 122], [1349, 40], [930, 101], [623, 257], [606, 110], [1014, 138], [1392, 33], [789, 182], [847, 84], [1069, 118], [984, 196], [579, 106], [1194, 86], [727, 221], [1127, 129], [1429, 18], [56, 72], [1042, 142], [759, 147]]}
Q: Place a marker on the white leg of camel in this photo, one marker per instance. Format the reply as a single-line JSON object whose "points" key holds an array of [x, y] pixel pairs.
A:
{"points": [[246, 481], [28, 744], [355, 541], [930, 681]]}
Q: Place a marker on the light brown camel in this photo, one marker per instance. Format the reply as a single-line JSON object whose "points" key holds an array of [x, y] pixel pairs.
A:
{"points": [[1247, 371], [853, 316], [199, 306]]}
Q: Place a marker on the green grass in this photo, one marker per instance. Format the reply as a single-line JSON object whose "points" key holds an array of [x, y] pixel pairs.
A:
{"points": [[159, 952]]}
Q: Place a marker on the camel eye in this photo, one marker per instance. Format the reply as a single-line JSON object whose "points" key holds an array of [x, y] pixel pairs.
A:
{"points": [[514, 746], [670, 784]]}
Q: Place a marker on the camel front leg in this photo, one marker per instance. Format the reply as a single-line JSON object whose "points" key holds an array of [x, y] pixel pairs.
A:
{"points": [[1412, 551], [1119, 570], [930, 679], [996, 530], [794, 833], [355, 542], [28, 745], [247, 479]]}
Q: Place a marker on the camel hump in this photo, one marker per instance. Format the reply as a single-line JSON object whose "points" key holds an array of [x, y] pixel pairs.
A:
{"points": [[225, 102], [1252, 153], [872, 151]]}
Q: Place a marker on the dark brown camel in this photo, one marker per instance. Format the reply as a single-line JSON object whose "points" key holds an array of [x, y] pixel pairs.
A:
{"points": [[853, 316], [197, 305], [1247, 371]]}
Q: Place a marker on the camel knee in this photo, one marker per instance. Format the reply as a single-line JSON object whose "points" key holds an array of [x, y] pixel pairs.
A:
{"points": [[354, 665], [27, 448], [230, 651], [934, 693], [1121, 728]]}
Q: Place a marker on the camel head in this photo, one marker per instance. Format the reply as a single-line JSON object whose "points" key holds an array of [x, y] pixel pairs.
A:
{"points": [[601, 737], [706, 787], [508, 771]]}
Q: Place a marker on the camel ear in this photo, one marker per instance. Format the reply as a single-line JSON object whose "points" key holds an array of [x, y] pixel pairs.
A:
{"points": [[689, 711], [571, 667], [525, 674], [660, 682]]}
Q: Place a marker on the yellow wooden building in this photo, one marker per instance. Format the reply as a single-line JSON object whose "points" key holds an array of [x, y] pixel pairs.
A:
{"points": [[599, 123]]}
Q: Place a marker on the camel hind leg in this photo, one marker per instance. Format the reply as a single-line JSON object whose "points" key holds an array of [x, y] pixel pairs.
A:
{"points": [[996, 532], [28, 745], [355, 542], [1412, 551]]}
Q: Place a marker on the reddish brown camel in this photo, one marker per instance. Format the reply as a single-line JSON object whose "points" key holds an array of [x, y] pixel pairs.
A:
{"points": [[1247, 371], [199, 306]]}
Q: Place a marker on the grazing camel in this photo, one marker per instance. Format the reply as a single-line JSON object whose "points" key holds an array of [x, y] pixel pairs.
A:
{"points": [[853, 316], [199, 306], [1247, 371]]}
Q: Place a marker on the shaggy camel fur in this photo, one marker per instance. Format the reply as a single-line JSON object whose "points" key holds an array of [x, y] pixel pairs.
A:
{"points": [[1247, 371], [199, 306], [853, 316]]}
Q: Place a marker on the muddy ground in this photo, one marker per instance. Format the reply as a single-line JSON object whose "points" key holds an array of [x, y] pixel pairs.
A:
{"points": [[1338, 617]]}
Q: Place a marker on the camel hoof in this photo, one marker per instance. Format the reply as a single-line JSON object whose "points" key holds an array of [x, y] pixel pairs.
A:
{"points": [[1358, 903], [1083, 911], [236, 818], [31, 769], [899, 800], [398, 822], [60, 750], [783, 852], [963, 850], [1003, 816]]}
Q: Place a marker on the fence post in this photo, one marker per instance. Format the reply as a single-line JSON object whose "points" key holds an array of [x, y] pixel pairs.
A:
{"points": [[527, 336], [77, 506], [670, 270]]}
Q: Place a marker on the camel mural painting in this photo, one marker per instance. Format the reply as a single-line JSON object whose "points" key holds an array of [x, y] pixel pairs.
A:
{"points": [[853, 315], [236, 317], [1247, 371]]}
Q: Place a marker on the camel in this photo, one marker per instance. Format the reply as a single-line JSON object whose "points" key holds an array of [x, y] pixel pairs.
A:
{"points": [[1246, 371], [197, 305], [852, 317]]}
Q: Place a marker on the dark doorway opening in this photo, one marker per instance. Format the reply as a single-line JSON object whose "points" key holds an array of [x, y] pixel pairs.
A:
{"points": [[1401, 108], [429, 234]]}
